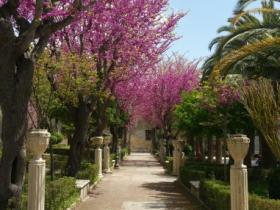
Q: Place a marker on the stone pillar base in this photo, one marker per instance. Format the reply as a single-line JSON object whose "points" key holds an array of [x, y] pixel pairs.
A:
{"points": [[36, 184], [98, 161], [239, 188]]}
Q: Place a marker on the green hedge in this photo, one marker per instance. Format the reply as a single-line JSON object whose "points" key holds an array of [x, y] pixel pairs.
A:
{"points": [[216, 170], [124, 152], [61, 193], [216, 195], [187, 175], [168, 164], [88, 171]]}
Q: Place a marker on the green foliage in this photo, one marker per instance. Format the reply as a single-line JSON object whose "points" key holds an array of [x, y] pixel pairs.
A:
{"points": [[274, 184], [188, 150], [168, 164], [216, 171], [189, 113], [124, 152], [216, 195], [113, 157], [187, 175], [56, 137], [61, 193], [88, 171]]}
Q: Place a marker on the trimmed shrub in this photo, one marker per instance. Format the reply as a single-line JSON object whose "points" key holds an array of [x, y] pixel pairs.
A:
{"points": [[61, 193], [113, 156], [168, 164], [216, 195], [274, 184], [88, 171], [210, 170], [124, 152], [56, 137], [187, 175]]}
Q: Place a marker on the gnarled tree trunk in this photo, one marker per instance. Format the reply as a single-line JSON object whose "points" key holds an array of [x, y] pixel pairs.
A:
{"points": [[79, 138], [15, 89]]}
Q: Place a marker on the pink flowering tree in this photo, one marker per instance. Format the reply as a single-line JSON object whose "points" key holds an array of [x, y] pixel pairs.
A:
{"points": [[154, 96], [123, 39], [25, 28]]}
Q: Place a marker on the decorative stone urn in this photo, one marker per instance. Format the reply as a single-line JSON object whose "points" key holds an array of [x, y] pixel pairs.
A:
{"points": [[238, 146], [107, 139], [96, 141], [37, 143]]}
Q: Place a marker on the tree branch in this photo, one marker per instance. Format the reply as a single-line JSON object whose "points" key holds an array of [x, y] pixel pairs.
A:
{"points": [[24, 40], [9, 8]]}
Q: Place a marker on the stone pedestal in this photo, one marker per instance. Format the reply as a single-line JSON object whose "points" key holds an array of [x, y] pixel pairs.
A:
{"points": [[97, 143], [178, 156], [37, 143], [238, 146], [106, 162], [162, 150], [118, 158]]}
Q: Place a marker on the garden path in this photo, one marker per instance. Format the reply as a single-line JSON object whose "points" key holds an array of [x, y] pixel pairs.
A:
{"points": [[140, 184]]}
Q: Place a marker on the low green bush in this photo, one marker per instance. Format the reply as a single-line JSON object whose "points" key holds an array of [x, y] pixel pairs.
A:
{"points": [[60, 149], [274, 184], [61, 193], [113, 156], [56, 138], [88, 171], [187, 175], [168, 164], [124, 152], [216, 195], [210, 170]]}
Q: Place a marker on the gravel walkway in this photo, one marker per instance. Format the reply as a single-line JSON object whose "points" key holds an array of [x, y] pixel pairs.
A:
{"points": [[139, 184]]}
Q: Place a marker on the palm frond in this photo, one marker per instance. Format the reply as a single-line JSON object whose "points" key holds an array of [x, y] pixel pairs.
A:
{"points": [[223, 66]]}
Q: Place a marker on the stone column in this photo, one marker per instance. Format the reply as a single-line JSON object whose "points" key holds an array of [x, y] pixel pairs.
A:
{"points": [[37, 143], [175, 151], [180, 155], [177, 156], [118, 158], [162, 150], [106, 165], [97, 141], [238, 146]]}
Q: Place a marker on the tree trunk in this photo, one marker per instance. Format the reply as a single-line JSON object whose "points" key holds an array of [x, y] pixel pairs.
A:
{"points": [[115, 139], [15, 90], [78, 141], [219, 150]]}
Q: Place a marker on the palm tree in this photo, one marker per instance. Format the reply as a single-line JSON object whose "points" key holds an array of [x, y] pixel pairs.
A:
{"points": [[249, 44]]}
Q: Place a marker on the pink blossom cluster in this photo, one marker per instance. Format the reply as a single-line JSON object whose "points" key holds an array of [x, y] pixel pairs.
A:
{"points": [[228, 95], [153, 97], [131, 34], [51, 9]]}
